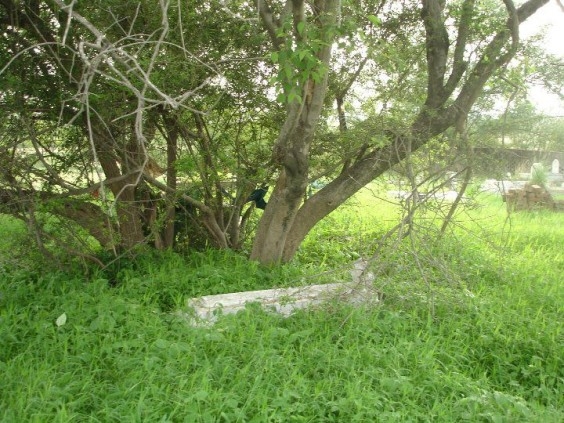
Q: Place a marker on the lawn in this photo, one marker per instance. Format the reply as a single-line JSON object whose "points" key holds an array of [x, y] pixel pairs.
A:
{"points": [[470, 329]]}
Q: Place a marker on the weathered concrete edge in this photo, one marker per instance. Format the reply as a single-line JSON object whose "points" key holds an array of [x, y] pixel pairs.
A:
{"points": [[203, 311]]}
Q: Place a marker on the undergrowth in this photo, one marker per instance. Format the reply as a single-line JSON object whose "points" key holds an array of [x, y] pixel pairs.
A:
{"points": [[478, 337]]}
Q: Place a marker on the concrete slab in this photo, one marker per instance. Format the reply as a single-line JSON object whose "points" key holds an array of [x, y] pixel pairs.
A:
{"points": [[203, 311]]}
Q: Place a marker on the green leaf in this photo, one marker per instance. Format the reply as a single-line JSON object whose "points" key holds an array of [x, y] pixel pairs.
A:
{"points": [[293, 96], [317, 77], [301, 27], [289, 73], [61, 320], [375, 20], [162, 343], [274, 57]]}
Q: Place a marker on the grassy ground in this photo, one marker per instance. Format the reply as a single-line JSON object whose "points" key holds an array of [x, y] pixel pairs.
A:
{"points": [[470, 330]]}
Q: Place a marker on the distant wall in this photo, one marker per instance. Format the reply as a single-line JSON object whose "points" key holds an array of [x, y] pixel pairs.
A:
{"points": [[498, 161]]}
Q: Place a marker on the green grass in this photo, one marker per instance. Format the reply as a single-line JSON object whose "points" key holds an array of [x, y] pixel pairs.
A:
{"points": [[479, 338]]}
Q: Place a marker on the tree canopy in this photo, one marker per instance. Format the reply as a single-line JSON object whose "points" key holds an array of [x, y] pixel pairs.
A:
{"points": [[155, 123]]}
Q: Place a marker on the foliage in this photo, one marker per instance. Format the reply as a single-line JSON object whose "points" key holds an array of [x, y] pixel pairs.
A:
{"points": [[114, 119], [506, 117], [95, 124], [520, 127], [487, 350], [539, 176]]}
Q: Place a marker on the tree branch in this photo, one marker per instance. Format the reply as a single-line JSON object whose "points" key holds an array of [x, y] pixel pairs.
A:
{"points": [[430, 122], [513, 26], [267, 17], [436, 41], [492, 59], [86, 214], [459, 65]]}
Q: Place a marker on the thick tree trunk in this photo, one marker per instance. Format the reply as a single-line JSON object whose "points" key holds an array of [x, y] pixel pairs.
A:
{"points": [[278, 218], [129, 219], [292, 146], [127, 208], [292, 151]]}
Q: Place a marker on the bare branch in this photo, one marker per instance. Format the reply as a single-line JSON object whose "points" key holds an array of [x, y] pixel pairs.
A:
{"points": [[235, 15], [343, 91], [120, 55], [69, 19], [491, 58]]}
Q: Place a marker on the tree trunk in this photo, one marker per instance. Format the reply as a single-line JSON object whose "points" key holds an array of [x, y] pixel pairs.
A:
{"points": [[172, 133], [127, 208], [278, 218], [291, 151], [129, 219], [90, 217]]}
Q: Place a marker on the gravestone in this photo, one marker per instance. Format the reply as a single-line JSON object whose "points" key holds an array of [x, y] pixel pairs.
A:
{"points": [[555, 167], [204, 311]]}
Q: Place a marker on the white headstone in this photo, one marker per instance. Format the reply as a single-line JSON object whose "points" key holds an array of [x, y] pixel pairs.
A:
{"points": [[555, 166]]}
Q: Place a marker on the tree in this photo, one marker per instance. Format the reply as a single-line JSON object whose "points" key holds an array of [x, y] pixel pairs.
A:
{"points": [[132, 90], [505, 115], [454, 81], [108, 93], [522, 127]]}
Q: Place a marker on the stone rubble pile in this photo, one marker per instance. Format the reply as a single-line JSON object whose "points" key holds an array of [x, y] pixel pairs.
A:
{"points": [[530, 197]]}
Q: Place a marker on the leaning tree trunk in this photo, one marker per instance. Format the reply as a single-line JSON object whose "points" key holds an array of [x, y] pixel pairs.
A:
{"points": [[361, 172]]}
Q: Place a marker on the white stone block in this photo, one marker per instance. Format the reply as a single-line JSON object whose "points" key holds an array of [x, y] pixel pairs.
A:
{"points": [[205, 310]]}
